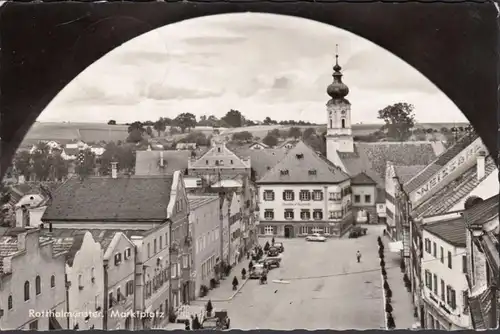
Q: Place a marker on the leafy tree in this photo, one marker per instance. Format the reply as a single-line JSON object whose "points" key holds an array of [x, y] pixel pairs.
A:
{"points": [[135, 136], [160, 126], [22, 163], [275, 133], [318, 143], [136, 126], [270, 140], [242, 136], [308, 133], [185, 121], [444, 129], [149, 131], [429, 130], [294, 132], [174, 130], [123, 154], [59, 166], [197, 137], [399, 120], [234, 119], [86, 168], [111, 122], [41, 161], [269, 121]]}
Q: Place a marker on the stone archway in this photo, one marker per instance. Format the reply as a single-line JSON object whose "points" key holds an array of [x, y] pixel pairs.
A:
{"points": [[289, 231]]}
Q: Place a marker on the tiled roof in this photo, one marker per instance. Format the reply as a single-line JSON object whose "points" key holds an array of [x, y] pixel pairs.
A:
{"points": [[362, 179], [438, 163], [148, 162], [8, 246], [405, 173], [452, 231], [372, 158], [453, 192], [261, 160], [304, 166], [196, 201], [482, 212], [136, 198]]}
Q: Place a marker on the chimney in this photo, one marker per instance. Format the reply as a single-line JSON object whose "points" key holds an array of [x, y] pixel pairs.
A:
{"points": [[161, 159], [481, 168], [114, 171]]}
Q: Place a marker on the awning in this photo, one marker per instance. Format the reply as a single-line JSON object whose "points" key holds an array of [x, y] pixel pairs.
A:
{"points": [[396, 246]]}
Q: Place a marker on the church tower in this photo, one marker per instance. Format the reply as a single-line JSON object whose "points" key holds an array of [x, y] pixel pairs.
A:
{"points": [[338, 128]]}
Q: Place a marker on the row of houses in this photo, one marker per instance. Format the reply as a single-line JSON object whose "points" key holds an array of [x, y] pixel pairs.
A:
{"points": [[443, 219], [114, 253]]}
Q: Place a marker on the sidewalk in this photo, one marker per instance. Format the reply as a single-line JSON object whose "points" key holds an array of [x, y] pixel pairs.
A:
{"points": [[401, 298], [224, 292]]}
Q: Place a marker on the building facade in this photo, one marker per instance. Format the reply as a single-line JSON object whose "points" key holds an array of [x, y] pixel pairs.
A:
{"points": [[364, 197], [32, 280], [235, 228], [444, 265], [206, 232]]}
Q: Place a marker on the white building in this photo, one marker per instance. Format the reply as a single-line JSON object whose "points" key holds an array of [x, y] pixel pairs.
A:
{"points": [[235, 224], [303, 194], [444, 265]]}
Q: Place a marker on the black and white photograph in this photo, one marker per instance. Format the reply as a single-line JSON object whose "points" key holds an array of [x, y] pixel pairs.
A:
{"points": [[250, 171]]}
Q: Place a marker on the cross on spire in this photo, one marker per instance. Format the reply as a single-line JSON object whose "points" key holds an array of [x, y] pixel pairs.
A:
{"points": [[336, 54]]}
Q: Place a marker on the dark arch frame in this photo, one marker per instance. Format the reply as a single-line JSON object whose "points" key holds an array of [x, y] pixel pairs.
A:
{"points": [[454, 45]]}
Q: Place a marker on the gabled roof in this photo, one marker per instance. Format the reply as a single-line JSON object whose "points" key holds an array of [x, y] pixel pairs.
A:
{"points": [[405, 173], [196, 201], [258, 144], [362, 179], [483, 212], [261, 160], [148, 162], [225, 159], [434, 166], [452, 231], [304, 165], [372, 158], [135, 198], [444, 199]]}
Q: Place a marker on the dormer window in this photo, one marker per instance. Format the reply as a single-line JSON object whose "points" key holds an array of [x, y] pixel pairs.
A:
{"points": [[300, 156], [218, 149], [284, 172], [312, 171]]}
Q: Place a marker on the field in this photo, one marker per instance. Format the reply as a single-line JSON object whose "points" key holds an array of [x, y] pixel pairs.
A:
{"points": [[95, 132]]}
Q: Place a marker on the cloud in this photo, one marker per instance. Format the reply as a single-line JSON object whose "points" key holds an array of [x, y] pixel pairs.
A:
{"points": [[214, 40], [166, 92]]}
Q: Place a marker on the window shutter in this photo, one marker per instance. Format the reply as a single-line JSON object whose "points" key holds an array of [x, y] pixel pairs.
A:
{"points": [[284, 198], [293, 196]]}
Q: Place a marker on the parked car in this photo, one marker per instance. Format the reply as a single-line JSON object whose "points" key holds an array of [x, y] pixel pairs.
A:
{"points": [[257, 271], [280, 246], [273, 251], [316, 237], [272, 262], [357, 231]]}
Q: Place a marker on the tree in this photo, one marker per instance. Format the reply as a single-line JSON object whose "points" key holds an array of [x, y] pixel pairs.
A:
{"points": [[444, 129], [41, 161], [124, 155], [294, 132], [160, 126], [270, 140], [22, 163], [111, 122], [308, 133], [136, 126], [197, 137], [60, 166], [149, 131], [185, 121], [242, 136], [275, 132], [134, 136], [269, 121], [399, 120], [86, 168], [234, 119]]}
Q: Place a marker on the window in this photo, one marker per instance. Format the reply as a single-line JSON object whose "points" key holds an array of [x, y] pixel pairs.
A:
{"points": [[441, 252], [52, 281], [288, 195], [312, 171], [335, 196], [80, 283], [357, 198], [154, 247], [218, 149], [149, 250], [34, 325], [449, 260], [9, 303], [427, 245], [465, 297], [303, 230], [317, 230], [443, 291], [118, 295], [305, 195], [26, 291], [161, 242], [343, 123], [368, 199], [428, 279], [318, 214], [434, 249], [231, 162], [110, 300], [38, 285], [268, 195], [305, 214], [92, 275], [451, 297], [435, 284], [118, 258], [269, 214], [464, 264], [268, 230], [288, 214], [284, 172], [317, 195], [334, 214]]}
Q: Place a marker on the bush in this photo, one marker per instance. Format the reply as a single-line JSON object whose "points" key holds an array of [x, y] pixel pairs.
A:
{"points": [[384, 273], [382, 263], [388, 308], [386, 285], [390, 322], [388, 293], [381, 255], [379, 240]]}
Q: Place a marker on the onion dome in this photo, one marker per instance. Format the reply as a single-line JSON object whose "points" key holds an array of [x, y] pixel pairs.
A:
{"points": [[337, 89]]}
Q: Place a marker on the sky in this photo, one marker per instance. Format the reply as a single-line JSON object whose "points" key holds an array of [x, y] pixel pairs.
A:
{"points": [[260, 64]]}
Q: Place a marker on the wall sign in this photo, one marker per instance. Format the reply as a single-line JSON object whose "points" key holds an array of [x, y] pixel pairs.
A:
{"points": [[297, 204], [466, 156]]}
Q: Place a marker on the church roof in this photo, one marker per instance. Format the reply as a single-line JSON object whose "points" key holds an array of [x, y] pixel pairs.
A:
{"points": [[303, 165], [371, 158]]}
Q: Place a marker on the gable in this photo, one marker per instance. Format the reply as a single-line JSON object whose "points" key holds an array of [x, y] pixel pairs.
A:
{"points": [[221, 157]]}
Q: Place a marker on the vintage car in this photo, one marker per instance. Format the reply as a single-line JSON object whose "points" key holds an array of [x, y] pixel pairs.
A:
{"points": [[273, 251], [316, 237], [280, 246], [257, 271], [220, 321], [357, 231], [272, 262]]}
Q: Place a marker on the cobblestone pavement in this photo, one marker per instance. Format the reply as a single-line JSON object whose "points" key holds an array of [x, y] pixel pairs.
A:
{"points": [[401, 298], [327, 288]]}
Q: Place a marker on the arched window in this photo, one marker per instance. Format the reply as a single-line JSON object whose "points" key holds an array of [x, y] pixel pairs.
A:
{"points": [[9, 303], [52, 281], [38, 285], [127, 323], [343, 123], [26, 291], [331, 124]]}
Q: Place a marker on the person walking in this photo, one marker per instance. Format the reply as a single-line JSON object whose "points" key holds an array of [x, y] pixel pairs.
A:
{"points": [[272, 241], [358, 256]]}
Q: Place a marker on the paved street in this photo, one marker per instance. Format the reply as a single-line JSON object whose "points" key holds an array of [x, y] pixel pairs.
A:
{"points": [[326, 288]]}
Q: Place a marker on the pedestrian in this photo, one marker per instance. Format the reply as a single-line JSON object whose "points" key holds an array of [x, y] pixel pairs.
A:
{"points": [[235, 283], [250, 265], [358, 256], [272, 241]]}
